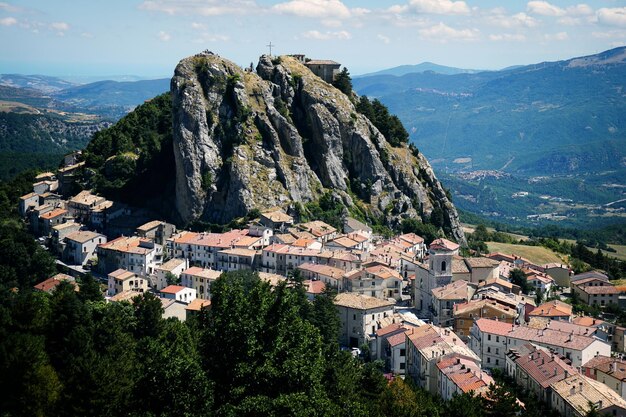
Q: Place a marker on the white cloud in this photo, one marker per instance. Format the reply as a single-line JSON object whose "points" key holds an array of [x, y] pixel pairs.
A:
{"points": [[87, 35], [8, 21], [60, 26], [318, 9], [197, 26], [543, 8], [200, 7], [383, 38], [579, 10], [568, 15], [507, 37], [444, 33], [444, 7], [518, 20], [9, 8], [164, 36], [612, 16], [561, 36], [325, 36]]}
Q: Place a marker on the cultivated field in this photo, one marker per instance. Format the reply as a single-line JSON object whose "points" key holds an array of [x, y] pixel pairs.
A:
{"points": [[535, 254]]}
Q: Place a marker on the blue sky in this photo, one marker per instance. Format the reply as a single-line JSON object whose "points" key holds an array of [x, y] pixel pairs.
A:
{"points": [[148, 37]]}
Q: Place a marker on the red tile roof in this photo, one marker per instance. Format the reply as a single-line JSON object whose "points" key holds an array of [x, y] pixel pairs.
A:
{"points": [[494, 327], [173, 289]]}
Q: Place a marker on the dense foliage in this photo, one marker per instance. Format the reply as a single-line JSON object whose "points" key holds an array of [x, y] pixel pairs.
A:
{"points": [[389, 125], [343, 82], [133, 160]]}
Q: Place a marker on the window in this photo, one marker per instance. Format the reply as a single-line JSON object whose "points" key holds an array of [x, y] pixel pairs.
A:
{"points": [[497, 338], [488, 337], [402, 352], [443, 266], [403, 365]]}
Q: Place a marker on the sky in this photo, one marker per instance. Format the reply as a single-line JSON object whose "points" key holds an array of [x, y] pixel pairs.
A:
{"points": [[149, 37]]}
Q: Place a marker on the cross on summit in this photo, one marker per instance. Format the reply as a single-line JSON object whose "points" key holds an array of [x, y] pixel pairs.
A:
{"points": [[270, 46]]}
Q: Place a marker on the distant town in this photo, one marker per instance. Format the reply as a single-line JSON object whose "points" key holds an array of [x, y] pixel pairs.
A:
{"points": [[443, 320]]}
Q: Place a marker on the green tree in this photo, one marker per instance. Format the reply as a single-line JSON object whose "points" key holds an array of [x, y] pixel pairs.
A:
{"points": [[343, 82], [517, 277], [148, 313], [465, 405], [501, 402], [90, 289]]}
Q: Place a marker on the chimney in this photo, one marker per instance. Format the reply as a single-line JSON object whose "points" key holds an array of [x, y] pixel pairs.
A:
{"points": [[566, 374], [580, 386], [555, 371]]}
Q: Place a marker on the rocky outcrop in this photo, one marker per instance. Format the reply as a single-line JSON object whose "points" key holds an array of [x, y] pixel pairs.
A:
{"points": [[245, 140]]}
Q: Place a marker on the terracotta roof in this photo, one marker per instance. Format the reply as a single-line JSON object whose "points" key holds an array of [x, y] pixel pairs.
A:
{"points": [[590, 274], [412, 238], [317, 228], [610, 366], [494, 327], [321, 62], [53, 213], [542, 366], [173, 289], [578, 391], [360, 302], [552, 308], [218, 240], [54, 281], [83, 236], [607, 289], [587, 321], [132, 244], [202, 272], [457, 290], [481, 262], [444, 244], [390, 329], [459, 266], [354, 224], [552, 337], [250, 253], [477, 305], [197, 304], [171, 264], [27, 196], [121, 274], [314, 287], [149, 226], [396, 339], [344, 241], [325, 270], [497, 281]]}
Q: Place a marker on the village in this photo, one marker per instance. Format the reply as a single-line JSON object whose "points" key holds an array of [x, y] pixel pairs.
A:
{"points": [[443, 320]]}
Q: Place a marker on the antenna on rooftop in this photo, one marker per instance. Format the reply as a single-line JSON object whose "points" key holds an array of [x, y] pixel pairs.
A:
{"points": [[270, 46]]}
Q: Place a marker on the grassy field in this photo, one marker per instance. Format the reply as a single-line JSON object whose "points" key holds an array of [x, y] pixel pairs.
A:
{"points": [[536, 254], [620, 254]]}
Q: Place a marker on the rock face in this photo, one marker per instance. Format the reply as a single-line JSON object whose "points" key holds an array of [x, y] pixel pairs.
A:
{"points": [[280, 136]]}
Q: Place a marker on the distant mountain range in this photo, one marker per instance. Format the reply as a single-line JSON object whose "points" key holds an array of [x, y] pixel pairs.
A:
{"points": [[554, 119], [109, 99], [42, 117], [420, 68]]}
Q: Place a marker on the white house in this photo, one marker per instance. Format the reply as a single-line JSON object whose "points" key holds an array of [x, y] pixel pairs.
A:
{"points": [[81, 246], [174, 266], [359, 315], [178, 293]]}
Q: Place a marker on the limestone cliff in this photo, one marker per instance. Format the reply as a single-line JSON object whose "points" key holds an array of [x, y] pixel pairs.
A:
{"points": [[245, 140]]}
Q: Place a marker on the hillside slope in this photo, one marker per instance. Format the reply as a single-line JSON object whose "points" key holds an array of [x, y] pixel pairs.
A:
{"points": [[537, 119]]}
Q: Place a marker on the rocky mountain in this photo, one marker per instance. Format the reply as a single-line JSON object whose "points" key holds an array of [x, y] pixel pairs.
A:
{"points": [[283, 137]]}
